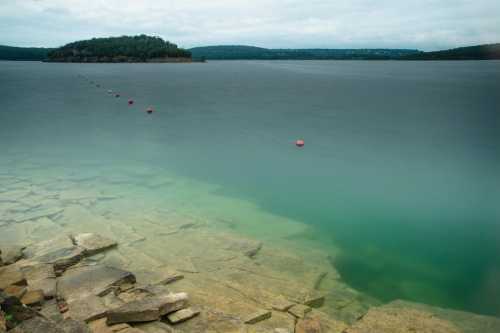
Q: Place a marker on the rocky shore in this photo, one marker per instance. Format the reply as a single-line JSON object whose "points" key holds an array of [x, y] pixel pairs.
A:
{"points": [[82, 252], [64, 285]]}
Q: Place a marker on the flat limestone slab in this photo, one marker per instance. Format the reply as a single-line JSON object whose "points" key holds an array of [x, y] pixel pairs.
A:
{"points": [[147, 309], [308, 326], [155, 327], [50, 310], [85, 281], [10, 275], [33, 297], [182, 315], [465, 321], [379, 320], [41, 277], [87, 309], [93, 243], [16, 291], [38, 271], [255, 317], [37, 324], [11, 254], [59, 251], [74, 326], [299, 310], [100, 326]]}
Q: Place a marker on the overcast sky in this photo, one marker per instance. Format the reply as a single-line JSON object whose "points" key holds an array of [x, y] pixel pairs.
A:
{"points": [[422, 24]]}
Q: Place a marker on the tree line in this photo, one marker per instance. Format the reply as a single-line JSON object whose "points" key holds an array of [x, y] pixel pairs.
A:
{"points": [[125, 48]]}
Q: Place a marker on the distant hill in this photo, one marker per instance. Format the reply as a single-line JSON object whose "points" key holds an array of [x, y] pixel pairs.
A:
{"points": [[23, 53], [140, 48], [154, 49], [478, 52], [243, 52]]}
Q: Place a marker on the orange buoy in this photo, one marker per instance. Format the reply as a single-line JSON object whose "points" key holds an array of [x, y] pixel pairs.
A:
{"points": [[299, 143], [130, 101], [150, 110]]}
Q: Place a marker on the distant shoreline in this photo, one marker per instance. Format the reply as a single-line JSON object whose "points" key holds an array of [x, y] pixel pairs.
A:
{"points": [[124, 61], [72, 54]]}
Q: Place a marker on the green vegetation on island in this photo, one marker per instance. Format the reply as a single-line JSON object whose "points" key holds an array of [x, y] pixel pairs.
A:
{"points": [[140, 48]]}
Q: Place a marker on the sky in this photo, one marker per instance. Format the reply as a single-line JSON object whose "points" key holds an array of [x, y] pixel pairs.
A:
{"points": [[422, 24]]}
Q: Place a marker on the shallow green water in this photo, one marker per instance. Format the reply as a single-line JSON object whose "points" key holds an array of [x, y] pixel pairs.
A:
{"points": [[400, 169]]}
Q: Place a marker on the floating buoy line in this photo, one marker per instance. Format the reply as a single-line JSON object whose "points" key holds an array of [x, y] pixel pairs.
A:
{"points": [[111, 92], [298, 143]]}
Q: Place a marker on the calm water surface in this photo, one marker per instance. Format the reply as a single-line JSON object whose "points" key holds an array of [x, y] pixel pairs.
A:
{"points": [[400, 171]]}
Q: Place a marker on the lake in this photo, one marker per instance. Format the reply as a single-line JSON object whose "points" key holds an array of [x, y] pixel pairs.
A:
{"points": [[399, 177]]}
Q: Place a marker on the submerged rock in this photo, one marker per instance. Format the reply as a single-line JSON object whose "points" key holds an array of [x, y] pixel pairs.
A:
{"points": [[182, 315], [41, 276], [147, 309], [100, 326], [308, 326], [37, 324], [255, 317], [11, 254], [74, 326], [38, 213], [11, 275], [33, 297], [156, 327], [314, 300], [60, 251], [50, 310], [466, 322], [16, 291], [93, 243], [87, 309], [280, 303], [380, 320], [161, 275], [38, 272], [299, 310], [97, 280], [48, 286]]}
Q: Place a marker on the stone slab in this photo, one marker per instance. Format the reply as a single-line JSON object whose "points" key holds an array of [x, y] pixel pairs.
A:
{"points": [[147, 309], [84, 281], [87, 309], [257, 316], [93, 243], [182, 315]]}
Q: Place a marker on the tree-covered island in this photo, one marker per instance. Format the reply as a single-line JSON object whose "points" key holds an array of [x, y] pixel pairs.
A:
{"points": [[140, 48]]}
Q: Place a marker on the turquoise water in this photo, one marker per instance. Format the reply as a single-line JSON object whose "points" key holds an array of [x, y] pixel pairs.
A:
{"points": [[399, 175]]}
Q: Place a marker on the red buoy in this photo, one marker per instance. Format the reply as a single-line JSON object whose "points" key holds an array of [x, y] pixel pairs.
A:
{"points": [[130, 101], [299, 143], [150, 110]]}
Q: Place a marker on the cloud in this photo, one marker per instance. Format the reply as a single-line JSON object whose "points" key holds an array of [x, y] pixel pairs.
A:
{"points": [[424, 24]]}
